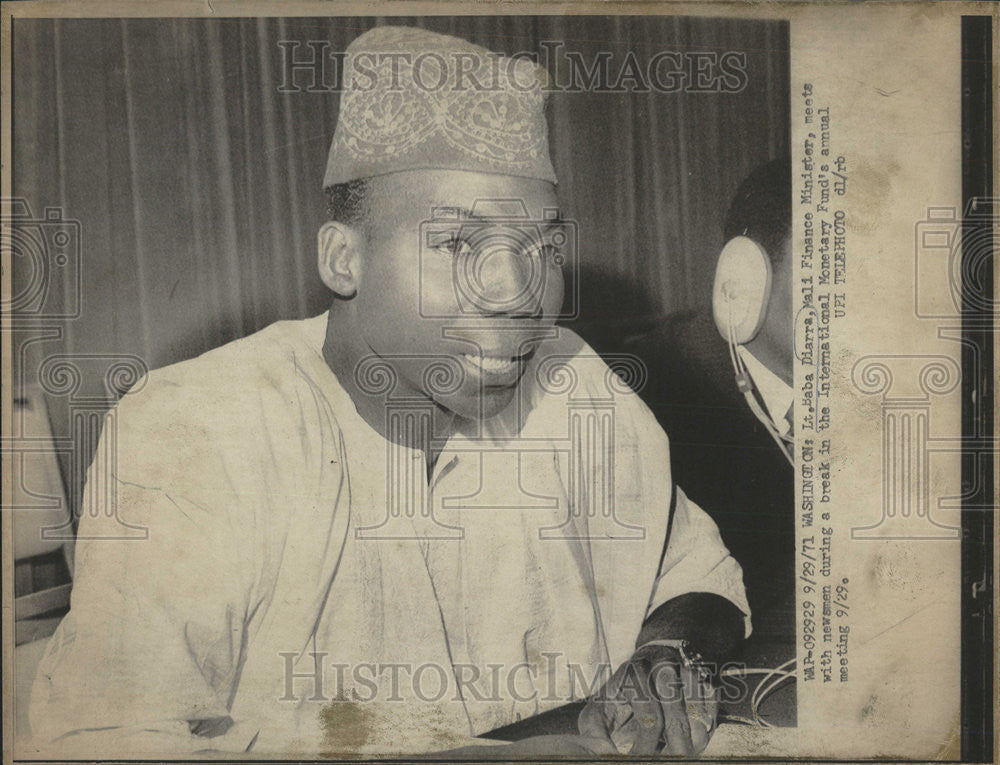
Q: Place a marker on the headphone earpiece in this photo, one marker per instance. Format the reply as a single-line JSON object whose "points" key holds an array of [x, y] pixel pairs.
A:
{"points": [[742, 289]]}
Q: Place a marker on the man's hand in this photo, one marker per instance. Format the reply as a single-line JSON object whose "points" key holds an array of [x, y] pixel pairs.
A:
{"points": [[652, 705]]}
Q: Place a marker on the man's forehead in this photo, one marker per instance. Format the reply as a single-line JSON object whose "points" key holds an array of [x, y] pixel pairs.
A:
{"points": [[502, 208], [431, 194]]}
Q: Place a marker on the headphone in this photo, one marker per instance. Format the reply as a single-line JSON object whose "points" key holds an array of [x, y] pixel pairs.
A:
{"points": [[742, 289], [740, 296]]}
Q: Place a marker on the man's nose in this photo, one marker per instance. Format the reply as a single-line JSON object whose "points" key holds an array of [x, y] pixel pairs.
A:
{"points": [[504, 280]]}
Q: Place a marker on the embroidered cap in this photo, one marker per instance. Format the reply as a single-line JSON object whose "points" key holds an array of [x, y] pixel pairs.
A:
{"points": [[414, 99]]}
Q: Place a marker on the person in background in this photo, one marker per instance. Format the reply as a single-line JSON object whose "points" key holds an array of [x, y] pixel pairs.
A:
{"points": [[755, 274], [692, 391]]}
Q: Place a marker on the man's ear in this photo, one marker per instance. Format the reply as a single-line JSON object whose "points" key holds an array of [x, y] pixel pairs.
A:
{"points": [[340, 249]]}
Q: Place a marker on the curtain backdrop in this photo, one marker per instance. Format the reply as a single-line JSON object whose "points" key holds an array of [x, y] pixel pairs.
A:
{"points": [[197, 183]]}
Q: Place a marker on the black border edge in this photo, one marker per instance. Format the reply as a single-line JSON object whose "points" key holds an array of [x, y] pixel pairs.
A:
{"points": [[979, 212], [13, 669]]}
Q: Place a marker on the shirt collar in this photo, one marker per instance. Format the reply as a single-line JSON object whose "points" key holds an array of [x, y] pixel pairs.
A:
{"points": [[778, 396]]}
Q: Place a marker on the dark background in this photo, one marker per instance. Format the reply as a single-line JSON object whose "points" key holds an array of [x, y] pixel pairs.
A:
{"points": [[197, 185]]}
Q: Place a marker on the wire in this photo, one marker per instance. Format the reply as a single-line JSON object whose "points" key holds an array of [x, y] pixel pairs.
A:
{"points": [[737, 719], [773, 677], [744, 382], [763, 693], [763, 689], [750, 671]]}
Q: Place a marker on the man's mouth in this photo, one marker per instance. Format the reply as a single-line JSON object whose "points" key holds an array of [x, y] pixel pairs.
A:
{"points": [[496, 370], [493, 365]]}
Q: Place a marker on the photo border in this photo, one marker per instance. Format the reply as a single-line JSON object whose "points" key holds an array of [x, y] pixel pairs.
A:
{"points": [[979, 696]]}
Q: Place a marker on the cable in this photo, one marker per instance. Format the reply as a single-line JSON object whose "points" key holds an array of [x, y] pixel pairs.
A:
{"points": [[744, 382], [763, 693], [738, 719], [762, 690], [751, 671]]}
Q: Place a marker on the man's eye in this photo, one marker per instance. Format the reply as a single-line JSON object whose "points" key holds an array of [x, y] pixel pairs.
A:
{"points": [[451, 245], [546, 252]]}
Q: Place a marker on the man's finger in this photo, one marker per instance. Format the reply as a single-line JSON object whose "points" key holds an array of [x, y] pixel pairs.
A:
{"points": [[647, 711], [591, 721], [703, 716], [603, 710], [676, 730]]}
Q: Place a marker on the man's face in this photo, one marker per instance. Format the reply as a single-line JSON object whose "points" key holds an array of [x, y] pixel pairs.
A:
{"points": [[460, 280], [774, 343]]}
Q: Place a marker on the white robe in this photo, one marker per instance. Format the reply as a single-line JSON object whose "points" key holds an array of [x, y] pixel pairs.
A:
{"points": [[276, 587]]}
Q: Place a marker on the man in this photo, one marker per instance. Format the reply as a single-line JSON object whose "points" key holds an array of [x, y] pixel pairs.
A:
{"points": [[431, 483]]}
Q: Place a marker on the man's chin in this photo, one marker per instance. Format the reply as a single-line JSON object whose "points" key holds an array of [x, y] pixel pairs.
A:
{"points": [[480, 405]]}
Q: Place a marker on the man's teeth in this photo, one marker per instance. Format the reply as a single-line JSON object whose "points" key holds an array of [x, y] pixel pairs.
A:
{"points": [[492, 363]]}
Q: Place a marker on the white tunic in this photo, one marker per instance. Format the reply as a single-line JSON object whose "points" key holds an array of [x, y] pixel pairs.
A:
{"points": [[302, 576]]}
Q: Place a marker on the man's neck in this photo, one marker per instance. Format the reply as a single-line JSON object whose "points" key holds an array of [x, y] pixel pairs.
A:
{"points": [[343, 350], [776, 358]]}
